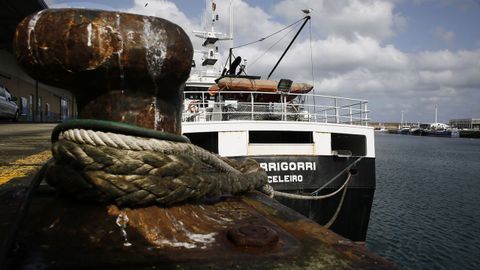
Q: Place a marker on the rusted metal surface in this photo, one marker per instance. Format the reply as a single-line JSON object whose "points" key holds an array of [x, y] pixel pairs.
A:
{"points": [[252, 235], [121, 67], [62, 233], [306, 231]]}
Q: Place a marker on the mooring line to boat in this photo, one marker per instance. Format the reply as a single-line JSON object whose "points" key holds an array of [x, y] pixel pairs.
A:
{"points": [[339, 207], [315, 192], [267, 189], [7, 244], [137, 171]]}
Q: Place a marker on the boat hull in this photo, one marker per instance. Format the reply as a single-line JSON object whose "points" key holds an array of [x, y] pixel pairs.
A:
{"points": [[305, 174], [437, 133], [416, 132]]}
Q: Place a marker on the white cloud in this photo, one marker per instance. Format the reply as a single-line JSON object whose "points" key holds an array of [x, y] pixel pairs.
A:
{"points": [[458, 70], [447, 37], [49, 2], [347, 17], [400, 22], [163, 9], [53, 4], [78, 4]]}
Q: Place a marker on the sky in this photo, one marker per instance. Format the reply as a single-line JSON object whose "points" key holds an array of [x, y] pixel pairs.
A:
{"points": [[400, 55]]}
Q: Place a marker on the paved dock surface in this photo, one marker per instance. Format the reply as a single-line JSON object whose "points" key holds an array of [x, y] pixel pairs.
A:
{"points": [[23, 148], [18, 141]]}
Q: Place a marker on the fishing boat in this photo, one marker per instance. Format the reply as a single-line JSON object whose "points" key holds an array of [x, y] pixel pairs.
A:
{"points": [[438, 129], [310, 145], [403, 128]]}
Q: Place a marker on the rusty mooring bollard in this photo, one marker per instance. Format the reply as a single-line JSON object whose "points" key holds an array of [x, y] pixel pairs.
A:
{"points": [[121, 67]]}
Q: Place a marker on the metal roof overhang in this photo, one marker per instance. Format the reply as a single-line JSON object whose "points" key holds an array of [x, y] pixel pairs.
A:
{"points": [[12, 13]]}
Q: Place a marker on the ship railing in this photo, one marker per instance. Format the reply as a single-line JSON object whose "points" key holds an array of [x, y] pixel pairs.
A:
{"points": [[200, 106]]}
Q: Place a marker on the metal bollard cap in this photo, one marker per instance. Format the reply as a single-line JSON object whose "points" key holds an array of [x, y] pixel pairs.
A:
{"points": [[117, 64]]}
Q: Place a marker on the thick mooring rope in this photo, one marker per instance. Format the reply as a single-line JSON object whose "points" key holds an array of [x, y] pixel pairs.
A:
{"points": [[136, 171]]}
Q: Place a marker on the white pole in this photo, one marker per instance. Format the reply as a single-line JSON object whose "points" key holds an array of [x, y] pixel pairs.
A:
{"points": [[436, 107], [401, 124], [231, 21]]}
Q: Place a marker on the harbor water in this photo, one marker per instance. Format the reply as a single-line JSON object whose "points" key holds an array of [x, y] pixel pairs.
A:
{"points": [[426, 210]]}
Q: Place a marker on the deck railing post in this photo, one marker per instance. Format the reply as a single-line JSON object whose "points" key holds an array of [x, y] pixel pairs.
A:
{"points": [[314, 108], [351, 115], [204, 106], [253, 104], [337, 113], [366, 114]]}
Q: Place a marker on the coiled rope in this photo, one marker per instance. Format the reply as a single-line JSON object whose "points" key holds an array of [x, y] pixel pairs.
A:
{"points": [[136, 171]]}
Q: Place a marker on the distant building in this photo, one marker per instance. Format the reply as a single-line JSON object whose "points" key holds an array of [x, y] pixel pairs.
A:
{"points": [[468, 123], [37, 102]]}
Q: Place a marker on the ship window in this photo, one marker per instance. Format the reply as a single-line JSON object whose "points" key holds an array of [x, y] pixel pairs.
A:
{"points": [[206, 140], [280, 137], [344, 143]]}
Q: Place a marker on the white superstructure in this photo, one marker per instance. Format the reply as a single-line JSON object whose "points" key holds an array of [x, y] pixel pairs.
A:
{"points": [[235, 122]]}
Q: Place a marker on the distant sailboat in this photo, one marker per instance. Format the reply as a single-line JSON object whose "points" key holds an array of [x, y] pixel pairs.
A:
{"points": [[403, 128], [438, 129]]}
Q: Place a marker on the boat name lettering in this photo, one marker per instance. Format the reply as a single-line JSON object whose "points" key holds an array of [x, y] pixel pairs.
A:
{"points": [[289, 166], [285, 178]]}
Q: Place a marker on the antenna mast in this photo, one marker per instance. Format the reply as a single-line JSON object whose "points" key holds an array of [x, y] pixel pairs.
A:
{"points": [[288, 47]]}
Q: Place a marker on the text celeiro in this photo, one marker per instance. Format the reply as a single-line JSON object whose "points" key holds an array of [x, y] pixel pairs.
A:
{"points": [[287, 166]]}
